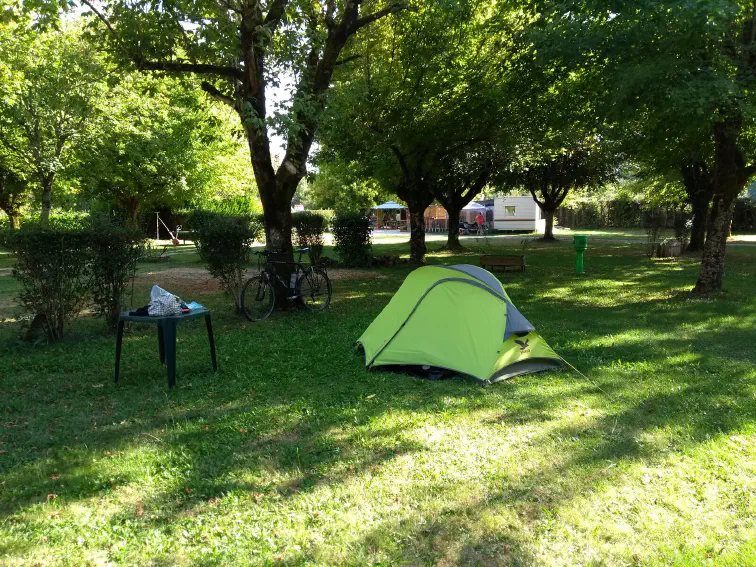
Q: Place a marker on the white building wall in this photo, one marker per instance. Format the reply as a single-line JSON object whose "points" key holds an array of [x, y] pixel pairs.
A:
{"points": [[527, 214]]}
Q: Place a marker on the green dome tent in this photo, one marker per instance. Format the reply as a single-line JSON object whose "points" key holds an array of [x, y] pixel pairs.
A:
{"points": [[458, 320]]}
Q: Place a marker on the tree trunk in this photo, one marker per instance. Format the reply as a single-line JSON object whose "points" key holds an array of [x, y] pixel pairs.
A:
{"points": [[548, 233], [12, 212], [710, 214], [452, 241], [700, 207], [417, 234], [712, 264], [277, 218], [47, 183], [730, 177], [698, 183]]}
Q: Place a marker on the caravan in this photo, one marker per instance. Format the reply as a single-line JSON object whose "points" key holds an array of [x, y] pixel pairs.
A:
{"points": [[518, 213]]}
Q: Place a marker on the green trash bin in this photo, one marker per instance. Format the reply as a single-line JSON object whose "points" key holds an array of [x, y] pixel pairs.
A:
{"points": [[580, 242]]}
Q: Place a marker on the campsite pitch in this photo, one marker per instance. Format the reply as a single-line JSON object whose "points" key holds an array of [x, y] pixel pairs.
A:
{"points": [[295, 454]]}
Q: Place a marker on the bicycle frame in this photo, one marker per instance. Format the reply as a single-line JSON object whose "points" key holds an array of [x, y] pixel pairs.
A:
{"points": [[268, 267]]}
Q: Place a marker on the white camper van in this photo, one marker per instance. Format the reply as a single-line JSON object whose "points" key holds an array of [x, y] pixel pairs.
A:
{"points": [[518, 213]]}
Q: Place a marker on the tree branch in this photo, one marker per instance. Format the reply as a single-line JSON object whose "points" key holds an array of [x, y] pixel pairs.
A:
{"points": [[540, 203], [275, 13], [402, 163], [144, 65], [105, 21], [217, 95], [370, 18], [200, 68], [347, 59], [330, 10]]}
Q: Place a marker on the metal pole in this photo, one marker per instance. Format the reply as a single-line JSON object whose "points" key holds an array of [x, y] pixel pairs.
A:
{"points": [[579, 268]]}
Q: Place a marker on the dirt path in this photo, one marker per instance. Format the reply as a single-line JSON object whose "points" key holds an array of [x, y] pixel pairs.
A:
{"points": [[199, 280]]}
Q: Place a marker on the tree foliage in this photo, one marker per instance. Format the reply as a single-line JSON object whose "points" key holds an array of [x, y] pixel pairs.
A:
{"points": [[680, 74], [49, 83], [153, 143], [423, 110], [242, 47], [343, 186]]}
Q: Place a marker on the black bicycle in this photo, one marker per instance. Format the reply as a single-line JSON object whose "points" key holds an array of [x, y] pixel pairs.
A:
{"points": [[308, 285]]}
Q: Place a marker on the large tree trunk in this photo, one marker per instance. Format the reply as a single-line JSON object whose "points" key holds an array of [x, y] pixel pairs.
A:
{"points": [[548, 215], [277, 218], [730, 177], [700, 207], [452, 240], [698, 183], [712, 264], [417, 234]]}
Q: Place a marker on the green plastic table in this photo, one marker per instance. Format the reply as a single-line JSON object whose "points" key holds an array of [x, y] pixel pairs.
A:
{"points": [[166, 331]]}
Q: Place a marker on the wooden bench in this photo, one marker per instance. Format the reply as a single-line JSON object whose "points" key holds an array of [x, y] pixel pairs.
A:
{"points": [[503, 262]]}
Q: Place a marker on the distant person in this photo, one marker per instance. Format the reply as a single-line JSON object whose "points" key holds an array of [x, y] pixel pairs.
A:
{"points": [[481, 220]]}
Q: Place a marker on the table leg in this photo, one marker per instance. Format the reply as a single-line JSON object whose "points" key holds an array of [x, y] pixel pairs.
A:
{"points": [[119, 340], [161, 342], [212, 341], [169, 338]]}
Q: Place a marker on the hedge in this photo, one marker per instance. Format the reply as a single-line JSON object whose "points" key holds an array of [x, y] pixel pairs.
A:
{"points": [[624, 213], [308, 229], [63, 265], [351, 232], [224, 242]]}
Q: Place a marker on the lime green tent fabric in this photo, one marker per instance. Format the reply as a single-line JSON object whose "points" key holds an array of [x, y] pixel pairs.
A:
{"points": [[459, 319]]}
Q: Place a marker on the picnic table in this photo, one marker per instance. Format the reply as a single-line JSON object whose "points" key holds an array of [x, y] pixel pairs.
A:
{"points": [[166, 333]]}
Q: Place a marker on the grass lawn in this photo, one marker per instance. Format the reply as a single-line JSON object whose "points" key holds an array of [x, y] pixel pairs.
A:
{"points": [[294, 454]]}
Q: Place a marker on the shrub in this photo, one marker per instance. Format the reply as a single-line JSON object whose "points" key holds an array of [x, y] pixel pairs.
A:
{"points": [[308, 227], [744, 218], [115, 251], [328, 216], [52, 265], [224, 244], [241, 206], [351, 231], [61, 220]]}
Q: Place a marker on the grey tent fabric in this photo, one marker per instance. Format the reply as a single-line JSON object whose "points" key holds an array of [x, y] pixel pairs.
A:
{"points": [[516, 322], [524, 367], [479, 274]]}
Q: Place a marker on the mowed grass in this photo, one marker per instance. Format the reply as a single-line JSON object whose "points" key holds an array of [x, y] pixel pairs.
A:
{"points": [[294, 454]]}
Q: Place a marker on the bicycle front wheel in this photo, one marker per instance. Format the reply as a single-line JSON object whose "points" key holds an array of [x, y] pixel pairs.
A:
{"points": [[314, 290], [258, 298]]}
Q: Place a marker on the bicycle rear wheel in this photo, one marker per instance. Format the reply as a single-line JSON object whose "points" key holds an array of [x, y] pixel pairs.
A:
{"points": [[258, 298], [314, 290]]}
